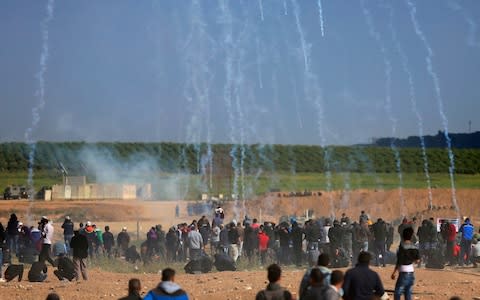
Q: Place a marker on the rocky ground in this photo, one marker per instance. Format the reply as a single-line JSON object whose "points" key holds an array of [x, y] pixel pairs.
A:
{"points": [[430, 284], [106, 283]]}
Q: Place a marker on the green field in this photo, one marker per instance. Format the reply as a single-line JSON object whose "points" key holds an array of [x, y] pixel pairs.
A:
{"points": [[191, 186]]}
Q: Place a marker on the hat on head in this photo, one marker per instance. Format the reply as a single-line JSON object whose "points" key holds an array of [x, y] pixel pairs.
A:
{"points": [[89, 223], [124, 228], [44, 218], [67, 218]]}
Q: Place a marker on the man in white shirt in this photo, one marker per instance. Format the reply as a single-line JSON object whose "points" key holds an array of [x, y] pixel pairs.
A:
{"points": [[46, 228]]}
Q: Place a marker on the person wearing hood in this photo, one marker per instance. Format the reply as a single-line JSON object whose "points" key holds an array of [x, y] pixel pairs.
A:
{"points": [[167, 289]]}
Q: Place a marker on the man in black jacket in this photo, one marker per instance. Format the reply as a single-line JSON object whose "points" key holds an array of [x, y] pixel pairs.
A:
{"points": [[67, 232], [79, 244], [66, 268], [380, 235], [108, 241], [38, 272]]}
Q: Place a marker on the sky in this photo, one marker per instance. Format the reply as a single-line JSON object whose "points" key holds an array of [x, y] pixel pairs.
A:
{"points": [[256, 71]]}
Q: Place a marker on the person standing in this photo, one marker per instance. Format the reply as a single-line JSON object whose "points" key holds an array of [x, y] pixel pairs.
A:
{"points": [[67, 232], [467, 231], [47, 236], [12, 233], [407, 255], [273, 289], [315, 288], [297, 240], [380, 235], [362, 283], [79, 244], [234, 241], [123, 240], [333, 291], [195, 243], [262, 245], [167, 288], [108, 241]]}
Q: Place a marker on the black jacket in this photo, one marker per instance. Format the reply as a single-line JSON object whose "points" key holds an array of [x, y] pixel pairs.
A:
{"points": [[79, 244]]}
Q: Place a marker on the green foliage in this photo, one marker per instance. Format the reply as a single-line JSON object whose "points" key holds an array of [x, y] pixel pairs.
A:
{"points": [[265, 167]]}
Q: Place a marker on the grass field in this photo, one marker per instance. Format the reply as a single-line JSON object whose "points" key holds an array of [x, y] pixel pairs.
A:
{"points": [[192, 186]]}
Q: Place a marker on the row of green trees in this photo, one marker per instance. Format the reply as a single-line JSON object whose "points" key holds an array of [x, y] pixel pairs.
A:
{"points": [[250, 158]]}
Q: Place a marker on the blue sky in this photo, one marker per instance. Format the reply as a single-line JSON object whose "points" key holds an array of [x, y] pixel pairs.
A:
{"points": [[214, 71]]}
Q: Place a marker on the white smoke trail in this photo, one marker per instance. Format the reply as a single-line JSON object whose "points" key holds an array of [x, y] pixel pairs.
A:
{"points": [[320, 15], [388, 98], [413, 102], [472, 24], [305, 47], [285, 9], [438, 96], [314, 94], [227, 21], [259, 63], [40, 93], [200, 50], [260, 5]]}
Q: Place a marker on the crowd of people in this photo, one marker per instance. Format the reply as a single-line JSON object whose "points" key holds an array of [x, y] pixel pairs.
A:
{"points": [[321, 244]]}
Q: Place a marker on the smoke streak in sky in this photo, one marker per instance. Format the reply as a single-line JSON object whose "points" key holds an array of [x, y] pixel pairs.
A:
{"points": [[472, 25], [314, 94], [388, 98], [320, 15], [438, 94], [413, 102], [260, 5], [40, 93]]}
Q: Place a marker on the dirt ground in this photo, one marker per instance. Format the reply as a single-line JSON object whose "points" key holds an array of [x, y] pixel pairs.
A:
{"points": [[138, 215], [430, 284]]}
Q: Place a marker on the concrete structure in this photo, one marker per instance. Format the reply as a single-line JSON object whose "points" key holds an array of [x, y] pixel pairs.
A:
{"points": [[97, 191]]}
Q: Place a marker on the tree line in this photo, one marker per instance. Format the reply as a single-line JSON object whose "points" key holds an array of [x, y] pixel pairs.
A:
{"points": [[195, 158]]}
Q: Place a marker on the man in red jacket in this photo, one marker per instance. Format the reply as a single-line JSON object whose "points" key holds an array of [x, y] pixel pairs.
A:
{"points": [[262, 244], [451, 240]]}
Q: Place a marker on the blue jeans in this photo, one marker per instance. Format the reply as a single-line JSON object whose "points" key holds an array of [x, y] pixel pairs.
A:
{"points": [[404, 286], [12, 243], [465, 249]]}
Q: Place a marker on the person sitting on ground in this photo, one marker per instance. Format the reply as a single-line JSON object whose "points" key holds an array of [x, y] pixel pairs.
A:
{"points": [[53, 296], [66, 268], [273, 289], [132, 255], [333, 291], [134, 288], [475, 257], [315, 288], [38, 272], [14, 271], [167, 288]]}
